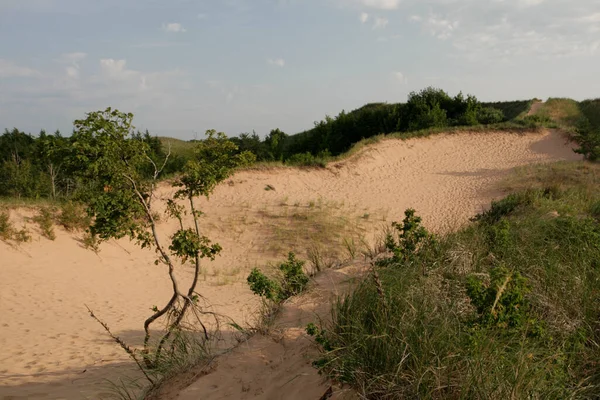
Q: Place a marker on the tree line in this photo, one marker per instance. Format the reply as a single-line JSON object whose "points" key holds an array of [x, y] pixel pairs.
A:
{"points": [[43, 166]]}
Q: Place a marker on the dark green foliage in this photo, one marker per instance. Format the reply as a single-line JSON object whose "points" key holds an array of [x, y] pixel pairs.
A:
{"points": [[294, 279], [263, 286], [410, 235], [307, 160], [510, 109], [430, 108], [502, 303], [215, 159], [587, 132], [186, 244], [507, 307], [291, 281], [591, 110], [490, 115]]}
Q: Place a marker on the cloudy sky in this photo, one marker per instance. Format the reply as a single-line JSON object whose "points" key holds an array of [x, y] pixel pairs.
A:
{"points": [[185, 66]]}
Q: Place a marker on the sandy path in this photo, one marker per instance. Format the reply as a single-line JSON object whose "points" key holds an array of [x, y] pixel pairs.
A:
{"points": [[48, 340], [535, 107]]}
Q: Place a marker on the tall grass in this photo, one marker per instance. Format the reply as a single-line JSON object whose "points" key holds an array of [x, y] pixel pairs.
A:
{"points": [[506, 308], [564, 111]]}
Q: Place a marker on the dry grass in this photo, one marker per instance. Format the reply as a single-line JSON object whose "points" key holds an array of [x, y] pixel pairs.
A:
{"points": [[564, 111]]}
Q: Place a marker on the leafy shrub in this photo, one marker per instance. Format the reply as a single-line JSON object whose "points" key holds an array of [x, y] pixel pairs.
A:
{"points": [[45, 219], [292, 281], [410, 235], [588, 138], [502, 303], [490, 115], [263, 286]]}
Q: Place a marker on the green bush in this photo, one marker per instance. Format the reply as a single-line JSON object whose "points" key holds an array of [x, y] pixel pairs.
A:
{"points": [[490, 115], [291, 281], [410, 235], [588, 138]]}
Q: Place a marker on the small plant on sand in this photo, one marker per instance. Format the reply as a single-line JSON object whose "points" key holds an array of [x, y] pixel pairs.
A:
{"points": [[72, 216], [22, 236], [120, 195], [291, 281], [6, 228], [45, 220], [410, 235]]}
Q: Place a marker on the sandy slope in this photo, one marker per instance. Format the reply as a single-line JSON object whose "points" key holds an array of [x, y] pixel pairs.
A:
{"points": [[52, 349]]}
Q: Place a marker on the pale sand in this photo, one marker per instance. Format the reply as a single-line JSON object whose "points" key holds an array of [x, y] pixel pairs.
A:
{"points": [[48, 339]]}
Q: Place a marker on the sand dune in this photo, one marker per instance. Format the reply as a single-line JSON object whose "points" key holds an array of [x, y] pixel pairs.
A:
{"points": [[52, 349]]}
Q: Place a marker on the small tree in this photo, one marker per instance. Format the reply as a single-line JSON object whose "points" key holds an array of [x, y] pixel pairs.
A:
{"points": [[51, 152], [113, 163]]}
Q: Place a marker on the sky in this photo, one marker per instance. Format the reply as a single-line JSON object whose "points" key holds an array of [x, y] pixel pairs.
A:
{"points": [[185, 66]]}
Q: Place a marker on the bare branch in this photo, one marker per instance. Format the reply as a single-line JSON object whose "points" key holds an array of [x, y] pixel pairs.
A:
{"points": [[121, 343]]}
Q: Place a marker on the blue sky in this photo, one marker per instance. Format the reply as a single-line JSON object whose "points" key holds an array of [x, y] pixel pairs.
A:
{"points": [[184, 66]]}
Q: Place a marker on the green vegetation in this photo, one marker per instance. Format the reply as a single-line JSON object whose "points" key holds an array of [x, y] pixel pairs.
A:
{"points": [[588, 130], [512, 110], [117, 172], [566, 112], [45, 220], [41, 168], [290, 281], [506, 307], [6, 228], [73, 216]]}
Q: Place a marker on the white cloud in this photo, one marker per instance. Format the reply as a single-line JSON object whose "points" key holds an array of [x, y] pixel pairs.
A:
{"points": [[72, 72], [380, 23], [277, 62], [437, 26], [174, 27], [202, 16], [8, 69], [73, 59], [364, 17], [400, 77], [591, 18], [530, 3], [117, 70], [382, 4]]}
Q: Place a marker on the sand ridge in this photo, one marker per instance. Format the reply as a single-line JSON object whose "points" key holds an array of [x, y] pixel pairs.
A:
{"points": [[52, 349]]}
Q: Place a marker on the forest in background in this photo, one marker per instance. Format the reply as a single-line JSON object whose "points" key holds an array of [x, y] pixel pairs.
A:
{"points": [[42, 166]]}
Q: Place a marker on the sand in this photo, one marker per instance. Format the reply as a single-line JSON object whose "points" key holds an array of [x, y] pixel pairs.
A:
{"points": [[52, 349]]}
